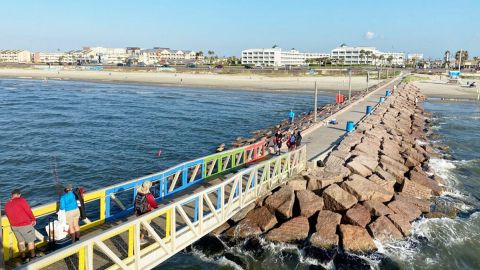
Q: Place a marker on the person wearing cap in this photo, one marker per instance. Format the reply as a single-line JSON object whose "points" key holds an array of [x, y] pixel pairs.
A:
{"points": [[21, 220], [144, 203], [68, 203]]}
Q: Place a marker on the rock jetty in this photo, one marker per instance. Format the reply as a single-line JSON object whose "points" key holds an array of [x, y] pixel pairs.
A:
{"points": [[371, 186]]}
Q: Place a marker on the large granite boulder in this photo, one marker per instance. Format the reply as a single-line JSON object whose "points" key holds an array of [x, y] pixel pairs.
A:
{"points": [[416, 190], [364, 189], [325, 236], [298, 183], [410, 211], [293, 230], [337, 199], [402, 223], [383, 229], [370, 163], [423, 204], [358, 215], [321, 179], [262, 217], [356, 239], [281, 202], [358, 168], [242, 213], [421, 178], [377, 208], [309, 203]]}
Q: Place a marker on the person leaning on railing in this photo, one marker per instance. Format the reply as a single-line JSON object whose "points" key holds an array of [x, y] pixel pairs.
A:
{"points": [[68, 203], [21, 220], [144, 203]]}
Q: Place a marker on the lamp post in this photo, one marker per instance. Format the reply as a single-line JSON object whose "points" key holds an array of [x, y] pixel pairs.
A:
{"points": [[315, 105], [349, 84]]}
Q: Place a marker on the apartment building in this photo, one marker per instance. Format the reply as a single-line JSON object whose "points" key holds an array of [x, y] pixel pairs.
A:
{"points": [[15, 56], [316, 55], [275, 57], [347, 55], [53, 58]]}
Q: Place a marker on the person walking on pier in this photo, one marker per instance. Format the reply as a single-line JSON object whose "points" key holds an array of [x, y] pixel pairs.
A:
{"points": [[278, 142], [144, 203], [291, 116], [68, 203], [298, 139], [22, 220]]}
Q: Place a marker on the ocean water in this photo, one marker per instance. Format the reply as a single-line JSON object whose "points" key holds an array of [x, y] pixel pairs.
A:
{"points": [[98, 134]]}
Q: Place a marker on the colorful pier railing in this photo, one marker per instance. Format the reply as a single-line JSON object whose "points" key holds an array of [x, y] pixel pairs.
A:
{"points": [[116, 201], [179, 229]]}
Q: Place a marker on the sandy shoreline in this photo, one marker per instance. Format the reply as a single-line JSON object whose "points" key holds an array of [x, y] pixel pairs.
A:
{"points": [[241, 82], [438, 88]]}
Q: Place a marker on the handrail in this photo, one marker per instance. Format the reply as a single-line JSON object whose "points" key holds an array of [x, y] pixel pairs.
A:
{"points": [[169, 181], [235, 193]]}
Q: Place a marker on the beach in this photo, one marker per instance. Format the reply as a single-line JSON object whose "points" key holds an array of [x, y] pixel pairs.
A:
{"points": [[435, 87], [243, 82]]}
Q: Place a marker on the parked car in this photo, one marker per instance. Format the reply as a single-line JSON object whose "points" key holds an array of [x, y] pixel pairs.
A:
{"points": [[219, 66], [141, 64], [120, 65], [248, 67], [191, 65]]}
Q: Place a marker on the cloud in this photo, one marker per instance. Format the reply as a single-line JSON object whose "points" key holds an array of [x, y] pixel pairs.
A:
{"points": [[369, 35]]}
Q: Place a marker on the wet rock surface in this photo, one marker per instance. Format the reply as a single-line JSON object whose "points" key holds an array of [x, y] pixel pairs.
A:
{"points": [[371, 186]]}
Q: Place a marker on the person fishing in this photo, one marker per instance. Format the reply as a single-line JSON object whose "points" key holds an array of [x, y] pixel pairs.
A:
{"points": [[22, 222], [291, 116], [68, 203], [144, 203]]}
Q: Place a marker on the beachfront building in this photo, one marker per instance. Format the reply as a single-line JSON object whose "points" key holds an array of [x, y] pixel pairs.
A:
{"points": [[394, 58], [15, 56], [348, 55], [275, 57], [53, 58], [317, 56], [414, 56]]}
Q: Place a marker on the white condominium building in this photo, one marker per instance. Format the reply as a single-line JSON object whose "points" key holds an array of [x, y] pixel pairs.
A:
{"points": [[15, 56], [347, 55], [275, 57], [394, 58], [316, 55]]}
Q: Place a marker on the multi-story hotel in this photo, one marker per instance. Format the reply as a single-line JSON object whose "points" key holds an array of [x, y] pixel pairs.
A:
{"points": [[15, 56], [347, 55], [276, 57]]}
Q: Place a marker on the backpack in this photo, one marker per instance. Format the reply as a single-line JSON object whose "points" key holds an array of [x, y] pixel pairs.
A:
{"points": [[292, 139], [141, 204]]}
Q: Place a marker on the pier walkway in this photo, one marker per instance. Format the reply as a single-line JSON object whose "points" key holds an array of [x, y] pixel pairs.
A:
{"points": [[194, 197]]}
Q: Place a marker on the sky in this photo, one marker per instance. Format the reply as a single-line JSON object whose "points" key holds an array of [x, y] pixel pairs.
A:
{"points": [[227, 27]]}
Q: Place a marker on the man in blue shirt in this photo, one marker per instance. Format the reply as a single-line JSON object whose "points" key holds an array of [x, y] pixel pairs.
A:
{"points": [[68, 202], [291, 116]]}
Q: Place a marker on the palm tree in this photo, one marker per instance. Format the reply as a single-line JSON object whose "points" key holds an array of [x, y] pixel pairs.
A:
{"points": [[446, 59], [362, 54], [368, 53], [374, 57], [464, 57], [210, 53], [390, 59]]}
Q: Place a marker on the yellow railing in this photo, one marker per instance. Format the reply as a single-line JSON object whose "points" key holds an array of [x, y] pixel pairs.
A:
{"points": [[181, 229]]}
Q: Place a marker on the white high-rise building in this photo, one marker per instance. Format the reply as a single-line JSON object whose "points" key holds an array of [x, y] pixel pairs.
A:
{"points": [[276, 57]]}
